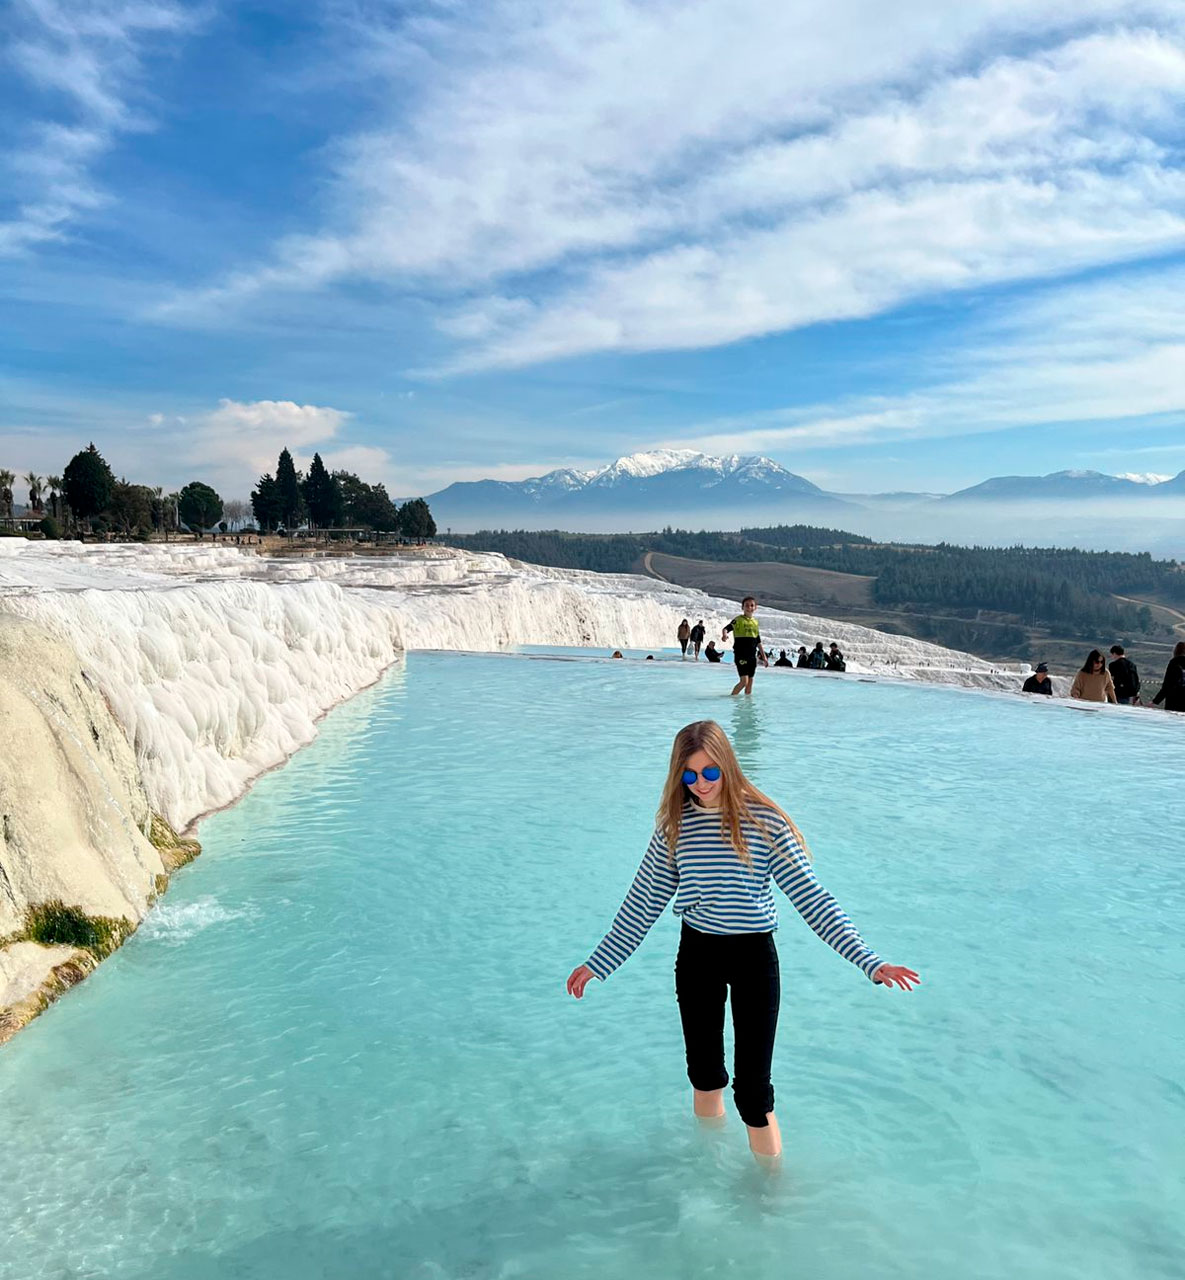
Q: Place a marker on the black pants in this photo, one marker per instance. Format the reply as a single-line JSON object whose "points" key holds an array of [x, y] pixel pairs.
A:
{"points": [[710, 966]]}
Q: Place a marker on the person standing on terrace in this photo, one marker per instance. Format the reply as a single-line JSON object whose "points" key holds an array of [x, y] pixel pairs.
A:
{"points": [[1093, 683], [1124, 677], [1172, 687], [746, 646], [717, 844], [697, 638], [683, 635]]}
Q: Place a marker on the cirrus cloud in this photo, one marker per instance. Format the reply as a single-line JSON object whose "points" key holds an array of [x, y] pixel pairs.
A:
{"points": [[629, 177]]}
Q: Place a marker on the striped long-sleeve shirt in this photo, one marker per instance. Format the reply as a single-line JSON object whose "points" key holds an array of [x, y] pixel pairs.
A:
{"points": [[716, 893]]}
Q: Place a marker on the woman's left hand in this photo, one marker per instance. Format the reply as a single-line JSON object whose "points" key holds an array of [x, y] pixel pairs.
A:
{"points": [[896, 975]]}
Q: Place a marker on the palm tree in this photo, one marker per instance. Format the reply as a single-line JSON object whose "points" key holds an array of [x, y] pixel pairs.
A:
{"points": [[34, 481], [55, 490], [7, 479]]}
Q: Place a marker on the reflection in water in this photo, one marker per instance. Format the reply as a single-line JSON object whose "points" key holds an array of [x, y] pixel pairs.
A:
{"points": [[748, 719]]}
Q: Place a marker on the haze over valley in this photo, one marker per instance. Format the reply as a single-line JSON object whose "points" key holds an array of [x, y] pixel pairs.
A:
{"points": [[688, 489]]}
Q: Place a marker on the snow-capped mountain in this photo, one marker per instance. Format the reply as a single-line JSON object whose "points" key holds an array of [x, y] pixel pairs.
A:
{"points": [[694, 490], [661, 486], [1070, 485]]}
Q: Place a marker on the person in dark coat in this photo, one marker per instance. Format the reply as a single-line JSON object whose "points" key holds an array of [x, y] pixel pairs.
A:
{"points": [[1172, 687], [697, 637], [817, 659], [835, 660], [1039, 681], [711, 652], [1124, 677], [783, 661], [802, 655]]}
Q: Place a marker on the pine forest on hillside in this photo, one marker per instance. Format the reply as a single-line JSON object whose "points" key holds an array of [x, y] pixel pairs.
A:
{"points": [[941, 592]]}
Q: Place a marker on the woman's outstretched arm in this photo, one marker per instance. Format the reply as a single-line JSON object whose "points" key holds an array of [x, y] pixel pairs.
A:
{"points": [[797, 880], [653, 887]]}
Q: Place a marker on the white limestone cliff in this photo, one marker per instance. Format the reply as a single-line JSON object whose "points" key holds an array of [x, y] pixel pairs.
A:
{"points": [[73, 813]]}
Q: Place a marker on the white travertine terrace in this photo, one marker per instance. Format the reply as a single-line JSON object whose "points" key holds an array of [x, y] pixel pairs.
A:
{"points": [[166, 678], [218, 662]]}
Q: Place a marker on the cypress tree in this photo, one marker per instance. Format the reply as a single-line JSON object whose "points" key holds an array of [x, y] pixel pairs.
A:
{"points": [[323, 496], [288, 484], [265, 503]]}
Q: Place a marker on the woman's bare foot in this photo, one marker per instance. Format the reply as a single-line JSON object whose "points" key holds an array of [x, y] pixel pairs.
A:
{"points": [[709, 1104], [766, 1142]]}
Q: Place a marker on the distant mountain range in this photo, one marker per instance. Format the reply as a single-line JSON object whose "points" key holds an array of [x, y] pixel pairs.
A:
{"points": [[673, 481], [1074, 485], [683, 486]]}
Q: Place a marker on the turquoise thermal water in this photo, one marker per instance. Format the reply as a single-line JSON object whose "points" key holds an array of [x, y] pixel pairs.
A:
{"points": [[342, 1047]]}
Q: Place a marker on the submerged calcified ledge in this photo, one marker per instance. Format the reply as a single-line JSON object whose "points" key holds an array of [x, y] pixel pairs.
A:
{"points": [[142, 687]]}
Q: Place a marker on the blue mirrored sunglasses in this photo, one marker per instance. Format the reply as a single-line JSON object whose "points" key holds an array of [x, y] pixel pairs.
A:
{"points": [[710, 774]]}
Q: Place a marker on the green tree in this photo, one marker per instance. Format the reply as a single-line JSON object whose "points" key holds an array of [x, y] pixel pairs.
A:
{"points": [[87, 483], [158, 510], [291, 498], [266, 505], [353, 492], [50, 529], [415, 520], [200, 506], [130, 508], [34, 481], [7, 479], [172, 514], [323, 496], [366, 505], [55, 496]]}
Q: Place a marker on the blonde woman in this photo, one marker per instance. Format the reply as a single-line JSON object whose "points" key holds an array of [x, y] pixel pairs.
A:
{"points": [[717, 843]]}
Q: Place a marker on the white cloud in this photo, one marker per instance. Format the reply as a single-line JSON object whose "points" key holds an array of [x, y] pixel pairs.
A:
{"points": [[84, 62], [244, 439], [681, 176], [229, 446], [232, 445]]}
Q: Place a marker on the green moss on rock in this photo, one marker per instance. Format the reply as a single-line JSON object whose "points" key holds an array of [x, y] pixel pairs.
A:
{"points": [[56, 924], [61, 978], [175, 851]]}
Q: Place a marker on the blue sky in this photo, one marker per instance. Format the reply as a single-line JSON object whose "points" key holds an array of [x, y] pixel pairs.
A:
{"points": [[893, 247]]}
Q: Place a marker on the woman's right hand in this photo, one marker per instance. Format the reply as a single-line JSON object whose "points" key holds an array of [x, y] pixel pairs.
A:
{"points": [[578, 979]]}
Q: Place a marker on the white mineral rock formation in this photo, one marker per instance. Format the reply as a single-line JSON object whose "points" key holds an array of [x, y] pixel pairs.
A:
{"points": [[164, 679], [218, 662], [72, 810]]}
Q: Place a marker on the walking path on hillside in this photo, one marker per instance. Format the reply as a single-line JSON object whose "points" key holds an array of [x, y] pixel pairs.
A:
{"points": [[1178, 627]]}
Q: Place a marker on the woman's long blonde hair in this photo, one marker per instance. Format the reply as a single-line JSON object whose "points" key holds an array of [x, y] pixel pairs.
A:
{"points": [[738, 795]]}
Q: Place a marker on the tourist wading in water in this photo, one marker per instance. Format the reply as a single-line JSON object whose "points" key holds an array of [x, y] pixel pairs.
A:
{"points": [[716, 844], [746, 646]]}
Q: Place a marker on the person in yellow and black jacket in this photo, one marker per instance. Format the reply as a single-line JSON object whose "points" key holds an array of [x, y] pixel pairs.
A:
{"points": [[746, 645]]}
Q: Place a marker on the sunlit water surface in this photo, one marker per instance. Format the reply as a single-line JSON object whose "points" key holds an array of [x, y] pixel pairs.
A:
{"points": [[342, 1047]]}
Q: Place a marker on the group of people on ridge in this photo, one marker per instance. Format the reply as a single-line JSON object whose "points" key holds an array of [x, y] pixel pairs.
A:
{"points": [[747, 650], [816, 660], [1117, 682]]}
